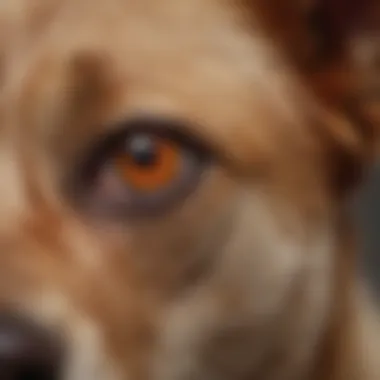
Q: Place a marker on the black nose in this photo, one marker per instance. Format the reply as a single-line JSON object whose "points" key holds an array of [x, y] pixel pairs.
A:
{"points": [[27, 351]]}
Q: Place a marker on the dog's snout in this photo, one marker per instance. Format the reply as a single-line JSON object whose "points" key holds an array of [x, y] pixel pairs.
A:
{"points": [[27, 351]]}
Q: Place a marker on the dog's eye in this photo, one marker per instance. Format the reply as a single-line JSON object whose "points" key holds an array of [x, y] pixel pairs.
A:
{"points": [[142, 170], [148, 163]]}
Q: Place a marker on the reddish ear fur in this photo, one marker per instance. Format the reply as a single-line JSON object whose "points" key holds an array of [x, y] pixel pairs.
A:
{"points": [[335, 44], [346, 79]]}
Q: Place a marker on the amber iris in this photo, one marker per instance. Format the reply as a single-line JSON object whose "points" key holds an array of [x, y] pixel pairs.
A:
{"points": [[148, 163]]}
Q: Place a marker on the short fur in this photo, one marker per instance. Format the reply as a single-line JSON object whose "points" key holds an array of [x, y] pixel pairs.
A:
{"points": [[255, 276]]}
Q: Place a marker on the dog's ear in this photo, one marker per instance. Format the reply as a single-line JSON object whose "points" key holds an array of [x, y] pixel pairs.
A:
{"points": [[344, 71], [335, 46]]}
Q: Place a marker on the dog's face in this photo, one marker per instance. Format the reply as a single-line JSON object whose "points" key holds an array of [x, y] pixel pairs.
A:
{"points": [[167, 208]]}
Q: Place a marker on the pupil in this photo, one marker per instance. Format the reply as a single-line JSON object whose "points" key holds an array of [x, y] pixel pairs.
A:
{"points": [[143, 150]]}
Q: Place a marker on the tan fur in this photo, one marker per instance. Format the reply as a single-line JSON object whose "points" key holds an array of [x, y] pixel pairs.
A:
{"points": [[254, 276]]}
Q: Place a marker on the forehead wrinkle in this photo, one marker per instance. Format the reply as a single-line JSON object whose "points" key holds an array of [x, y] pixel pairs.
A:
{"points": [[61, 99]]}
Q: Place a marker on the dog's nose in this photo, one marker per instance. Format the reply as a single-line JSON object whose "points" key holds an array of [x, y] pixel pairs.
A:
{"points": [[27, 351]]}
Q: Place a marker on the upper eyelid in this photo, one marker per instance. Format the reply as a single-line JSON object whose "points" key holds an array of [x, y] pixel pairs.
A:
{"points": [[178, 130], [102, 145]]}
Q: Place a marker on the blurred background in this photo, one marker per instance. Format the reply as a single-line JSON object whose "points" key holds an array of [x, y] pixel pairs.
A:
{"points": [[366, 208]]}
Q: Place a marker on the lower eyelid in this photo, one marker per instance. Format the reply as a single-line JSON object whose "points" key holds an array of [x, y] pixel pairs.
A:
{"points": [[108, 184]]}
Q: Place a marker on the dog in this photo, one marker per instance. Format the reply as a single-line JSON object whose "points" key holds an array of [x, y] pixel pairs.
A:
{"points": [[175, 177]]}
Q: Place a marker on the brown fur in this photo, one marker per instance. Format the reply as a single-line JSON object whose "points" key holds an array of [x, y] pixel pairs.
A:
{"points": [[254, 277]]}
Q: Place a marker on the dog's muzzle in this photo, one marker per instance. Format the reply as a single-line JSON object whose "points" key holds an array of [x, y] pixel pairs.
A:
{"points": [[27, 351]]}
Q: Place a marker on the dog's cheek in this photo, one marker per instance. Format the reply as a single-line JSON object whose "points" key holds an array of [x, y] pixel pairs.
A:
{"points": [[262, 272]]}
